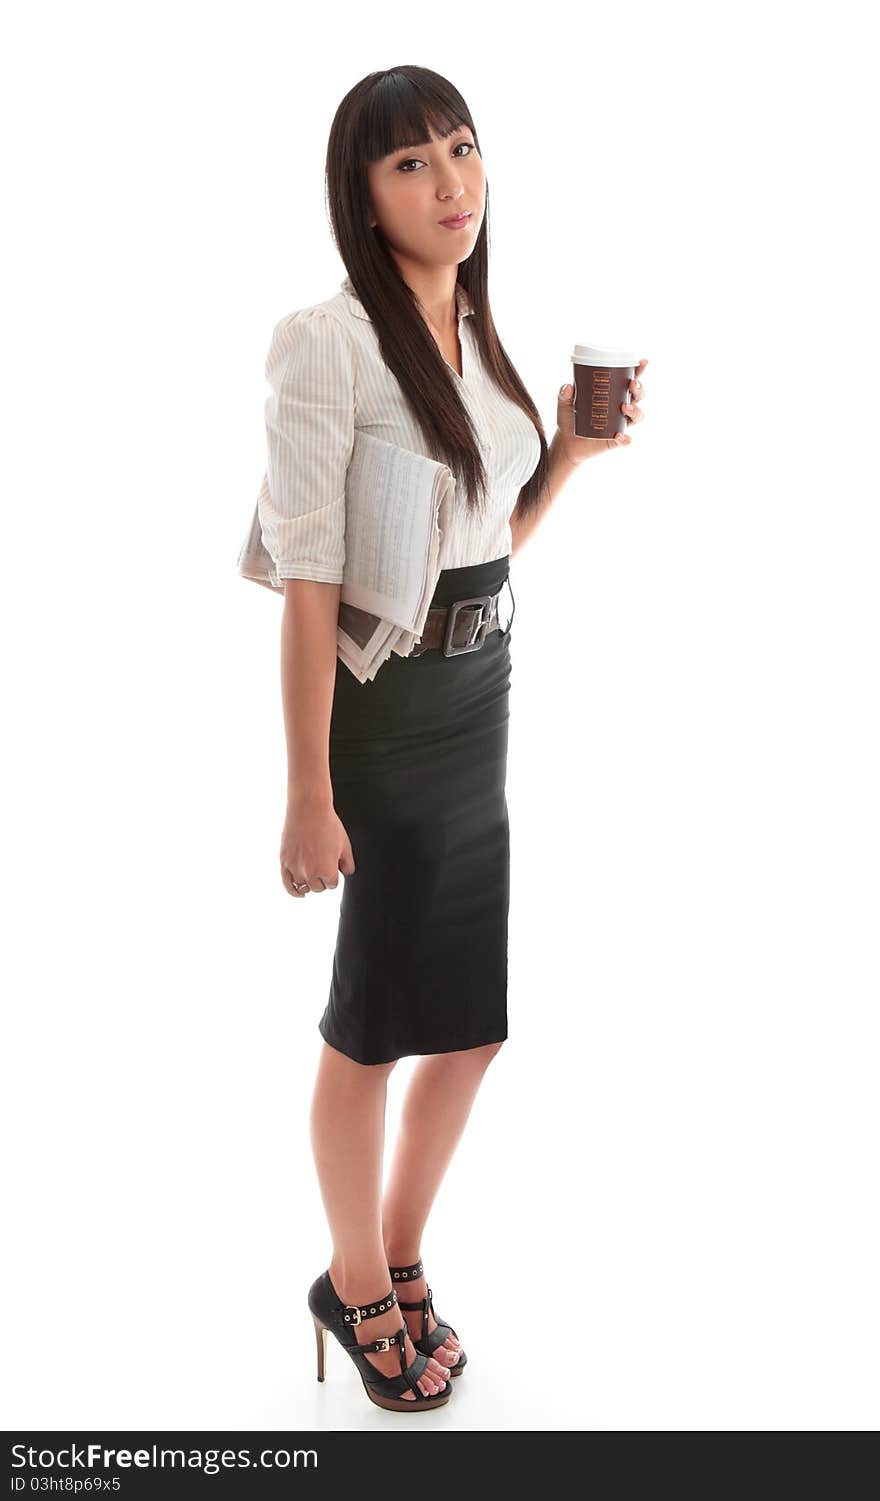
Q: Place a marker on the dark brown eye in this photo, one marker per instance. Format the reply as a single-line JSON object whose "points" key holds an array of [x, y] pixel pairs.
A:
{"points": [[400, 165]]}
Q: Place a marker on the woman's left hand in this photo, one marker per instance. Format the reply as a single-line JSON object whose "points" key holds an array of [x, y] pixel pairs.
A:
{"points": [[577, 449]]}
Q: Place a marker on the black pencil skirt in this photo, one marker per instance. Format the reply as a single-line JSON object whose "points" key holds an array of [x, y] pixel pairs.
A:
{"points": [[418, 763]]}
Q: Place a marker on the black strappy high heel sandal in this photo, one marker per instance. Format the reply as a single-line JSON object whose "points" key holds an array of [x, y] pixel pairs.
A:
{"points": [[330, 1313], [427, 1343]]}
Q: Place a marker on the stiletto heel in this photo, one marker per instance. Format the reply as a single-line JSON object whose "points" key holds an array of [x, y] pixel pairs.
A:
{"points": [[427, 1343], [321, 1338], [330, 1314]]}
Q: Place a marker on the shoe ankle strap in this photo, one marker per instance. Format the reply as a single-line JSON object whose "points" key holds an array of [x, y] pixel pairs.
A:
{"points": [[355, 1313], [376, 1346], [407, 1273]]}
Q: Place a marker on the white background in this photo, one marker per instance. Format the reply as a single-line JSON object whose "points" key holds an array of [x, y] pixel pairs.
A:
{"points": [[663, 1213]]}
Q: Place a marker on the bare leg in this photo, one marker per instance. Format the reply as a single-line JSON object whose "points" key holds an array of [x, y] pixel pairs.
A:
{"points": [[348, 1137], [427, 1139]]}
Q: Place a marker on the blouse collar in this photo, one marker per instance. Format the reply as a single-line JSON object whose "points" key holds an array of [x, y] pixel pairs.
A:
{"points": [[462, 301]]}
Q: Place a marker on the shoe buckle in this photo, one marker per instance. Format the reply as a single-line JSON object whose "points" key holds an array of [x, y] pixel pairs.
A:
{"points": [[381, 1344], [355, 1313], [473, 643]]}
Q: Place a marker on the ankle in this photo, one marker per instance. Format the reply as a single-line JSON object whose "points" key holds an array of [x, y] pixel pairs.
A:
{"points": [[402, 1253], [359, 1281], [417, 1286]]}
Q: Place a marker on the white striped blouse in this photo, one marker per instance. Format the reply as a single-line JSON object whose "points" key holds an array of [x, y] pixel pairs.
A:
{"points": [[329, 380]]}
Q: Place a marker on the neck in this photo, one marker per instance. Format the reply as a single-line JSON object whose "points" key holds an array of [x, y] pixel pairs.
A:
{"points": [[435, 290]]}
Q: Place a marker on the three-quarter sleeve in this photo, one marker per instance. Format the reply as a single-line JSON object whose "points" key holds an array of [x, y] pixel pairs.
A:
{"points": [[310, 436]]}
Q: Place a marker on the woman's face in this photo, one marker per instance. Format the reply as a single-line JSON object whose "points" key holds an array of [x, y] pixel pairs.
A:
{"points": [[413, 189]]}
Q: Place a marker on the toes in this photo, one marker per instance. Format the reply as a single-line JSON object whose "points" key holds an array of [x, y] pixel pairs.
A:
{"points": [[427, 1386], [445, 1355]]}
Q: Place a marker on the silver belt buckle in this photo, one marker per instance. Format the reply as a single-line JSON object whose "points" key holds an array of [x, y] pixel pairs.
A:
{"points": [[473, 643]]}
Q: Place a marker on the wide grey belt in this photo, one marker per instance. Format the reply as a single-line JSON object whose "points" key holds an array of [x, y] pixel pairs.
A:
{"points": [[462, 626]]}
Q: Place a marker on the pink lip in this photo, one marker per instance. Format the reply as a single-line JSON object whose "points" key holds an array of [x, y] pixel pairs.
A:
{"points": [[456, 221]]}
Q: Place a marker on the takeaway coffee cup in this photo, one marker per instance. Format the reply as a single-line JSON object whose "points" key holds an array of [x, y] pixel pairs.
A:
{"points": [[601, 384]]}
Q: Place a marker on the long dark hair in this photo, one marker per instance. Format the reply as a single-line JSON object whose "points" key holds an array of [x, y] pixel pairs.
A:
{"points": [[384, 112]]}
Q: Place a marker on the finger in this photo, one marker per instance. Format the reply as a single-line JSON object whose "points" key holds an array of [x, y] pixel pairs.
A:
{"points": [[290, 882], [565, 409], [633, 411], [565, 412]]}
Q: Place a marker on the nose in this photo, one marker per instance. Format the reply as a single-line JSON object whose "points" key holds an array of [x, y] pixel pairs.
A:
{"points": [[452, 188]]}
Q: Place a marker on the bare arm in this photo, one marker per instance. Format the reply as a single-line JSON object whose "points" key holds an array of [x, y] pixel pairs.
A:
{"points": [[308, 674], [314, 845], [561, 470], [568, 451]]}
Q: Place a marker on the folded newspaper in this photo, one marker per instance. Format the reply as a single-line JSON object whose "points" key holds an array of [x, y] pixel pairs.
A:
{"points": [[397, 512]]}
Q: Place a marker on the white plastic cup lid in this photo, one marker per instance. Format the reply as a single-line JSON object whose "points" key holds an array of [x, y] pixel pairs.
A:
{"points": [[590, 354]]}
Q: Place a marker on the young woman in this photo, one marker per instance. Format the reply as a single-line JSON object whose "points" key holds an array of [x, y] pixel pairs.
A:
{"points": [[399, 783]]}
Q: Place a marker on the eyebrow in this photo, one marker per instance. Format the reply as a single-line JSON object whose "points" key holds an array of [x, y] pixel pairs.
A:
{"points": [[420, 145]]}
